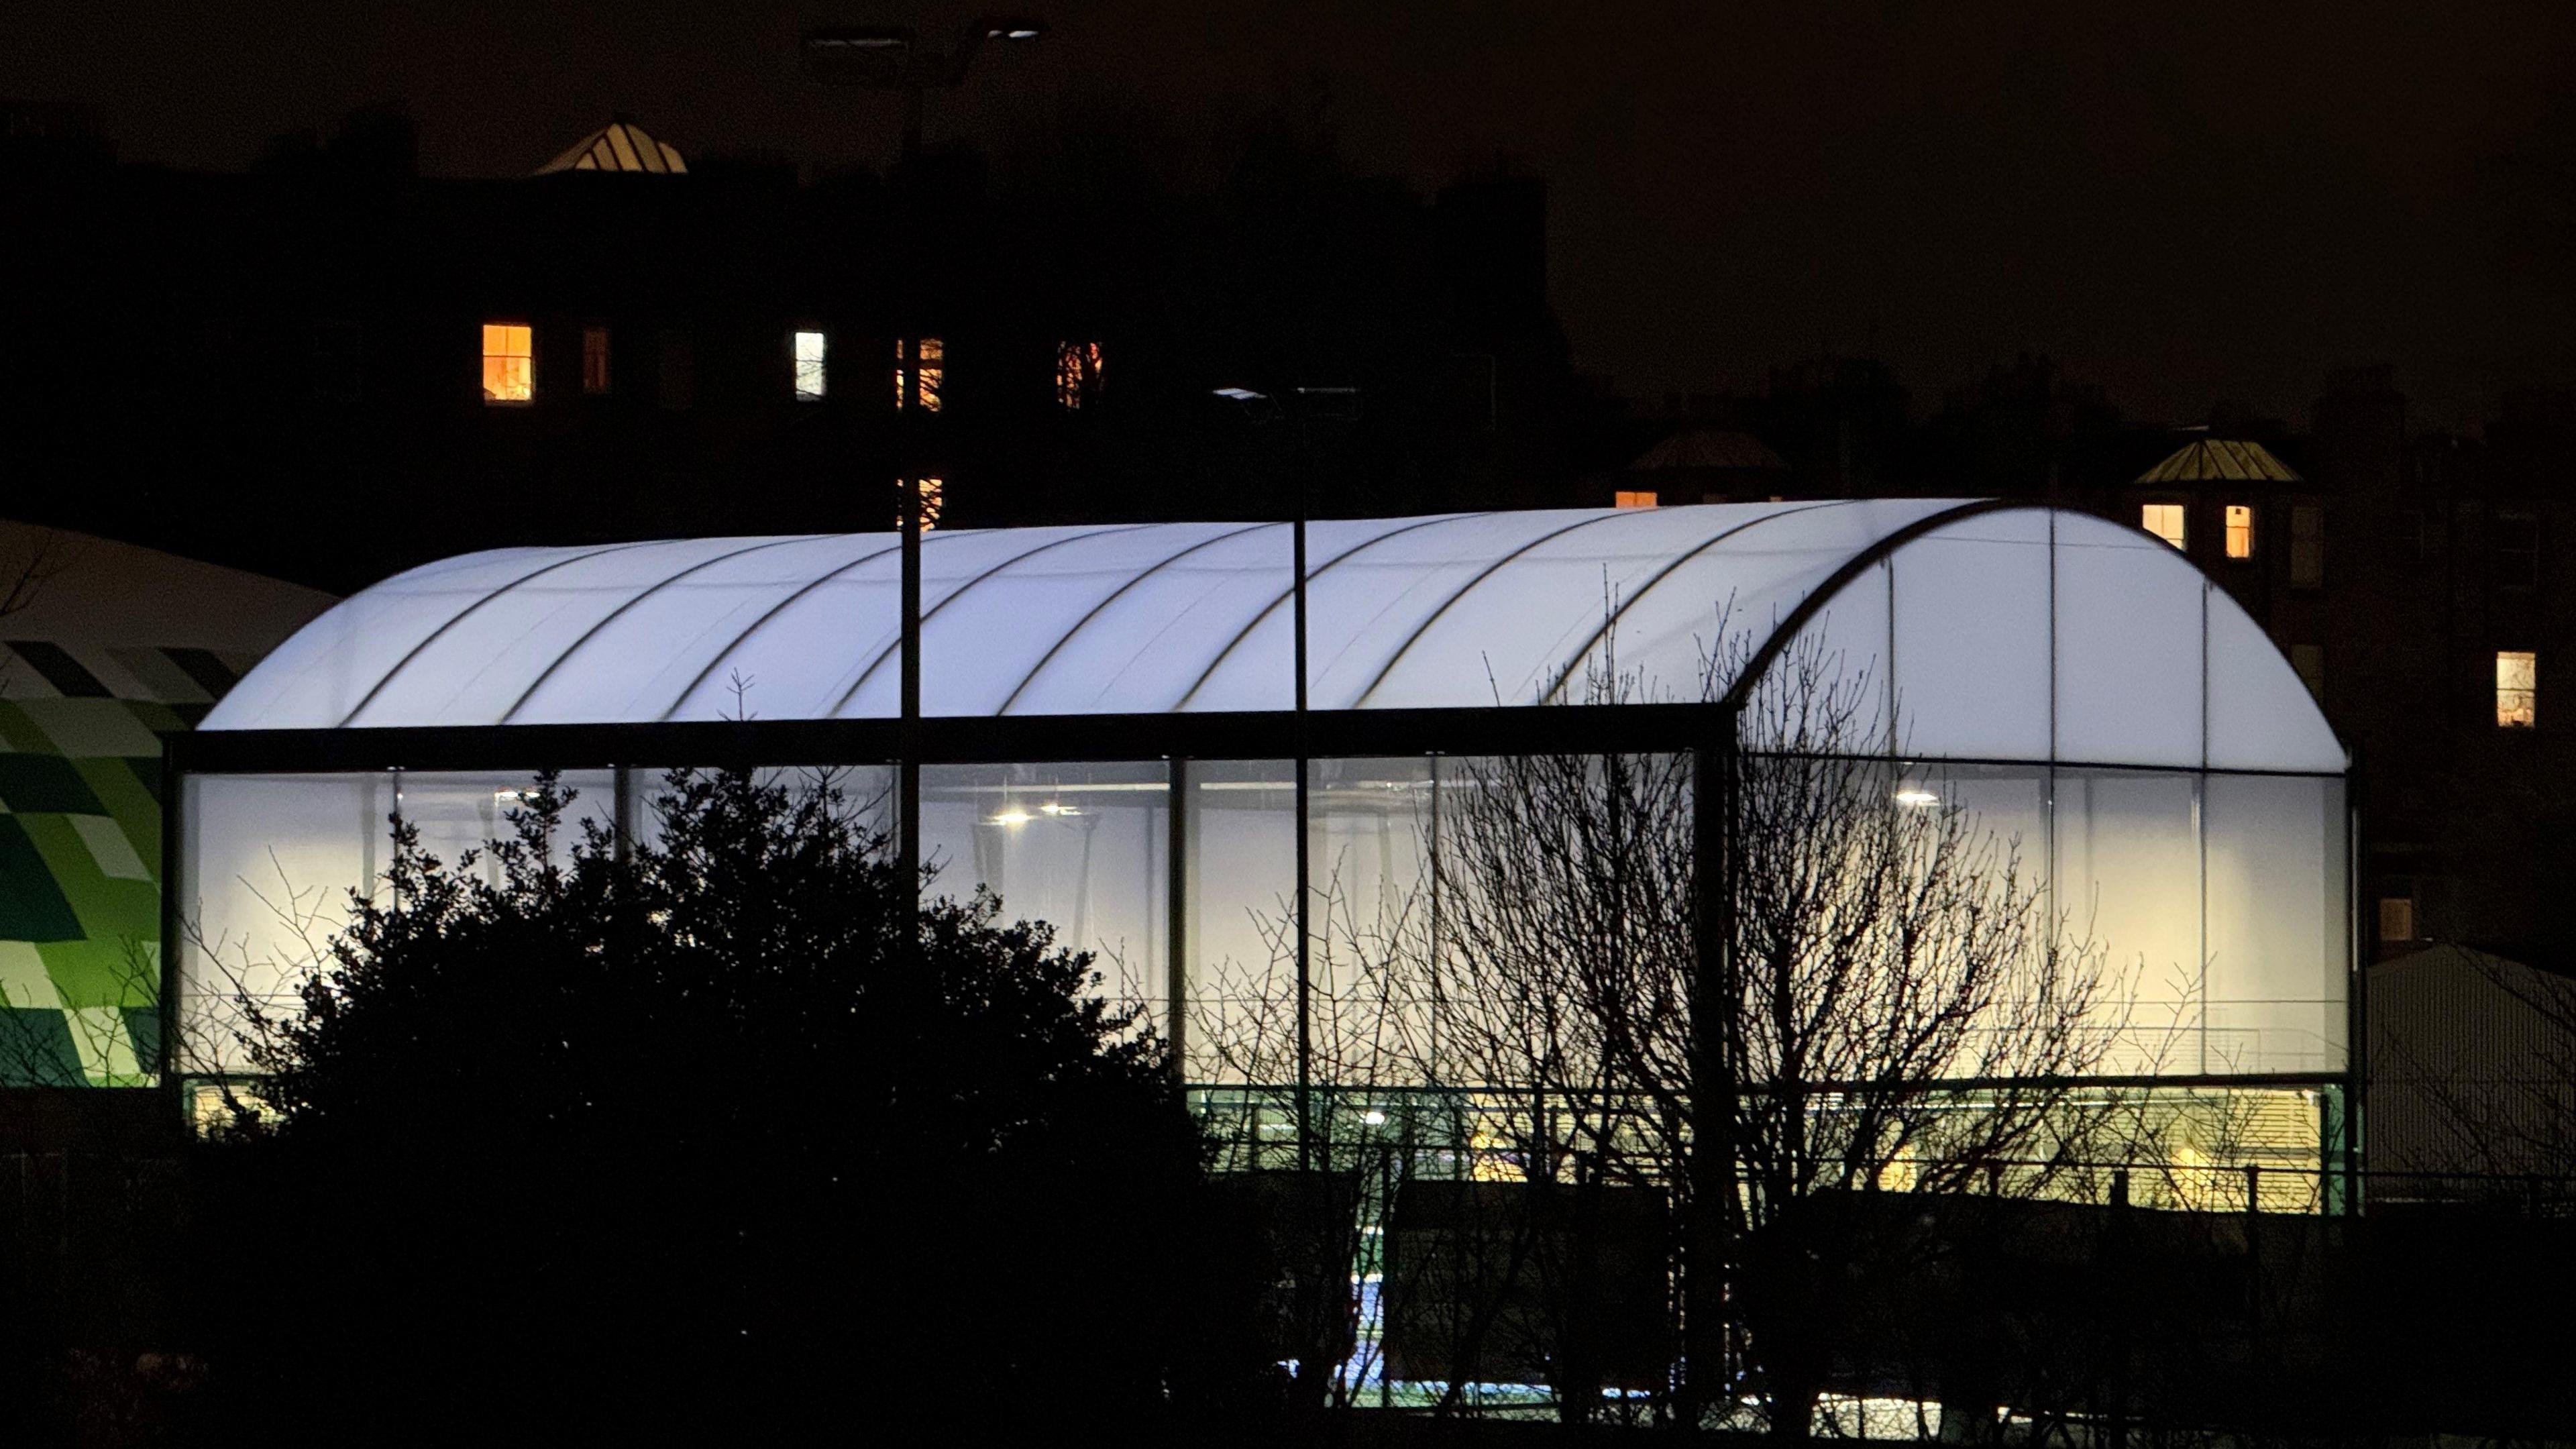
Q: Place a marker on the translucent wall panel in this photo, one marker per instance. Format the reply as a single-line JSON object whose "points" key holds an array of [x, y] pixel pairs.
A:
{"points": [[2278, 920], [462, 811], [2128, 881], [1242, 871], [1972, 636], [2128, 647], [267, 865], [2261, 716], [1085, 848]]}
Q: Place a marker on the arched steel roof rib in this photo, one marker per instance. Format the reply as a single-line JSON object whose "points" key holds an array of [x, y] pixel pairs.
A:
{"points": [[638, 597], [772, 612], [959, 592], [1290, 592], [1360, 700], [461, 615], [1113, 596], [1611, 621], [1861, 561]]}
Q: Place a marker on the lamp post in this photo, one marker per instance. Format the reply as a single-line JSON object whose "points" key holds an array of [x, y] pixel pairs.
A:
{"points": [[1301, 404], [890, 58]]}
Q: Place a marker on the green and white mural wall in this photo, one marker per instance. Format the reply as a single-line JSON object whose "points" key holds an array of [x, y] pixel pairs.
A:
{"points": [[105, 650]]}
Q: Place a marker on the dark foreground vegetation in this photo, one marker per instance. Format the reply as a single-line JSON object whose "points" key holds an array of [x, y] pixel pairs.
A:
{"points": [[697, 1138]]}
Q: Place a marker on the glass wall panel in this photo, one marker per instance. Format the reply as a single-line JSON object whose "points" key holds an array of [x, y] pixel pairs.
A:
{"points": [[267, 865], [867, 795], [2128, 881], [461, 811], [1084, 848], [1242, 871], [1370, 841], [2277, 913]]}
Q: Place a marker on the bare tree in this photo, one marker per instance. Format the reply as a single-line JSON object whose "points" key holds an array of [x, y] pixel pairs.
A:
{"points": [[1908, 1015]]}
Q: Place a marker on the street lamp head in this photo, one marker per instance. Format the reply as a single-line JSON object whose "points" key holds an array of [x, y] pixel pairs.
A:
{"points": [[1242, 394], [1011, 27]]}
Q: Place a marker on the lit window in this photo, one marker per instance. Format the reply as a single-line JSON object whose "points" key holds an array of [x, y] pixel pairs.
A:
{"points": [[2517, 688], [809, 366], [509, 363], [2164, 520], [594, 360], [2396, 918], [2307, 546], [920, 367], [933, 492], [2309, 662], [1633, 498], [1077, 373], [2240, 530]]}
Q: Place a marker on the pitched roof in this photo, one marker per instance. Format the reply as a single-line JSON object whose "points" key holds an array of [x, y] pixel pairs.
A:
{"points": [[619, 146], [2224, 459], [1709, 448]]}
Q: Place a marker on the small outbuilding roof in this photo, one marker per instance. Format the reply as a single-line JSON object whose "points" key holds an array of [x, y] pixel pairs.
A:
{"points": [[2004, 631], [621, 145], [1712, 448], [2220, 460]]}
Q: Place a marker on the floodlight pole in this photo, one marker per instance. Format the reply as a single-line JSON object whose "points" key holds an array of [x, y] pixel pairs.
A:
{"points": [[889, 58], [1295, 404]]}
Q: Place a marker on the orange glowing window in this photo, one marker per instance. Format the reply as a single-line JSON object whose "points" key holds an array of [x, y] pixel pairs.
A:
{"points": [[2164, 520], [1633, 498], [509, 363], [1077, 373], [933, 492], [920, 370], [2240, 530]]}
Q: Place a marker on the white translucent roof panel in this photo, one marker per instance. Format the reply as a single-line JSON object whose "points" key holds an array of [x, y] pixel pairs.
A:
{"points": [[2004, 632]]}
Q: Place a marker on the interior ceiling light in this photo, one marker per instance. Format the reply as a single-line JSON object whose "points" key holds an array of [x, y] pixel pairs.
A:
{"points": [[1916, 796]]}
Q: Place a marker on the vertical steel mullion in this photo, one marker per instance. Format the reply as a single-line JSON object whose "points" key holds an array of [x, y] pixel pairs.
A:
{"points": [[1176, 915]]}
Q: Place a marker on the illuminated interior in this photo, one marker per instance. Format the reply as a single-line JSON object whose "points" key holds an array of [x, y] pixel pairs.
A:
{"points": [[1634, 498], [809, 366], [2240, 530], [2517, 688], [1077, 373], [920, 370], [2164, 520], [509, 363], [934, 494]]}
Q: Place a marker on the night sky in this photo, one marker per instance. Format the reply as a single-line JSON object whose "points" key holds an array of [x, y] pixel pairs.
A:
{"points": [[2183, 202]]}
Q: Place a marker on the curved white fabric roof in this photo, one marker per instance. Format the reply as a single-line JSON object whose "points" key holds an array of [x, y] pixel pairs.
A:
{"points": [[2022, 633]]}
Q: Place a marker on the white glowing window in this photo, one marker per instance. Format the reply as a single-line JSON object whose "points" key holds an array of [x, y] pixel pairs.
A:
{"points": [[2164, 520], [920, 372], [2517, 688], [809, 366], [1634, 498], [2240, 530], [509, 363]]}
